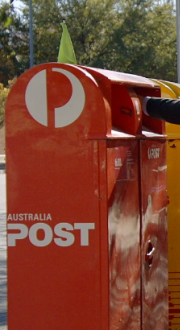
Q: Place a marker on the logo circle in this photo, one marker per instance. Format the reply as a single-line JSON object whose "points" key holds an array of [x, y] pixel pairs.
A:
{"points": [[36, 99]]}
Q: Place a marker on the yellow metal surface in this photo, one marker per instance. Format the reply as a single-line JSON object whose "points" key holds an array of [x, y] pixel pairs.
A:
{"points": [[166, 91], [173, 178], [173, 131], [174, 86], [173, 188], [172, 90]]}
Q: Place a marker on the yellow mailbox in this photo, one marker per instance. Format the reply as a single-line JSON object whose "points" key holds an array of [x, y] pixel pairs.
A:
{"points": [[172, 90]]}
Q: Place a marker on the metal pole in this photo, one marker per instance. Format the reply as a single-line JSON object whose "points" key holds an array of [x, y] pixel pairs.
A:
{"points": [[31, 34], [178, 37]]}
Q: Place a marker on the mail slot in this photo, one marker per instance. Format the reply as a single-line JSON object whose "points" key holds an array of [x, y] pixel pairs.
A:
{"points": [[86, 202]]}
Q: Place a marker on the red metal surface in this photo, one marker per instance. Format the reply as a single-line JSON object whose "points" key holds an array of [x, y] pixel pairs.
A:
{"points": [[124, 236], [75, 203], [138, 234], [56, 266]]}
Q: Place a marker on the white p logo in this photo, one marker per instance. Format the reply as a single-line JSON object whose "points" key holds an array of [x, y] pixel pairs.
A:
{"points": [[36, 98]]}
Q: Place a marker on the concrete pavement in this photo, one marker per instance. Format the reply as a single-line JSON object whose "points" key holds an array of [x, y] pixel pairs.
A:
{"points": [[3, 255], [2, 140]]}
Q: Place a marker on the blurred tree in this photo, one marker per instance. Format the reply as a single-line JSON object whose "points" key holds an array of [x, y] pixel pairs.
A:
{"points": [[135, 36], [146, 41], [4, 91], [13, 43]]}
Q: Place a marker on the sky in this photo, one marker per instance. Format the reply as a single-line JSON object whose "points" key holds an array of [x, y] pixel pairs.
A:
{"points": [[16, 3]]}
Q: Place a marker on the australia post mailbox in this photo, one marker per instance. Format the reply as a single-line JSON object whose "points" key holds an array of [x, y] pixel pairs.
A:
{"points": [[86, 202]]}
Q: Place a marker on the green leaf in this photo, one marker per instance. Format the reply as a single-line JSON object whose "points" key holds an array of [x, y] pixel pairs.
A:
{"points": [[8, 22]]}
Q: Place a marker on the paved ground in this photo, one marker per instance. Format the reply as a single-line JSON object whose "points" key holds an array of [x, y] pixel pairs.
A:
{"points": [[3, 257], [2, 140]]}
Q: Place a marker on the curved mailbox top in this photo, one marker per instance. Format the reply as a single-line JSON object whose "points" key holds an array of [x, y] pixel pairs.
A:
{"points": [[59, 97], [174, 86], [122, 78], [70, 98], [122, 91]]}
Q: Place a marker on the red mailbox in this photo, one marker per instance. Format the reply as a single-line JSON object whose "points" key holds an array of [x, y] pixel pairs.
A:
{"points": [[86, 202]]}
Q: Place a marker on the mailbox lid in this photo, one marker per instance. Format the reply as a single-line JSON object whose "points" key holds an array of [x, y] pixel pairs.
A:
{"points": [[122, 92], [121, 77]]}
